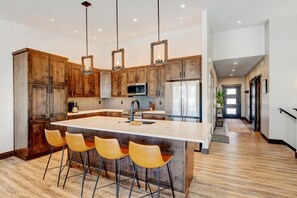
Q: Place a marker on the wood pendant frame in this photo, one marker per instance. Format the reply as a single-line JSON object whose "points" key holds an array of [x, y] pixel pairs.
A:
{"points": [[83, 64], [165, 52], [122, 64]]}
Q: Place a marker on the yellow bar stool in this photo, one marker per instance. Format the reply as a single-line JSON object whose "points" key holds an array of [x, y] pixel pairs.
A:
{"points": [[149, 157], [76, 143], [109, 149], [55, 140]]}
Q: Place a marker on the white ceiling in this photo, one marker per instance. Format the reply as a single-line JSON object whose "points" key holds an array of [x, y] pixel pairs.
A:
{"points": [[242, 67], [69, 15]]}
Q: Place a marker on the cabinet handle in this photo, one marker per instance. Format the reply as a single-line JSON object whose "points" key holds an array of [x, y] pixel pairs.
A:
{"points": [[159, 93], [180, 74], [47, 89], [184, 74], [156, 92], [51, 89], [51, 80]]}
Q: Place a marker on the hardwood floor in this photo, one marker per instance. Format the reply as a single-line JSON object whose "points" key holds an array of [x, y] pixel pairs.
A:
{"points": [[247, 167]]}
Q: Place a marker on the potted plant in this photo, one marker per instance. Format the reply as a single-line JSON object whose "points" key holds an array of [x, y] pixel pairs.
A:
{"points": [[220, 106]]}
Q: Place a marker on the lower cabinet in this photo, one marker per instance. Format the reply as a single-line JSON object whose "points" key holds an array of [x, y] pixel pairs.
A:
{"points": [[109, 114], [153, 116]]}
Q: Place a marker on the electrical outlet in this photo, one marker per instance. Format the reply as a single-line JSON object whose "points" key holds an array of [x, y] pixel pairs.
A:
{"points": [[99, 101], [121, 102], [160, 103]]}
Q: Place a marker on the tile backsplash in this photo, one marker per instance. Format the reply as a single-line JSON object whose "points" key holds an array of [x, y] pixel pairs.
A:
{"points": [[89, 103]]}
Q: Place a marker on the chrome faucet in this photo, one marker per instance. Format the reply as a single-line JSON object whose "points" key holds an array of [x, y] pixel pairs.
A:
{"points": [[132, 109]]}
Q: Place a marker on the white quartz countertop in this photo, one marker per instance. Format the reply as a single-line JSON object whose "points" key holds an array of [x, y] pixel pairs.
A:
{"points": [[154, 112], [175, 130], [95, 111]]}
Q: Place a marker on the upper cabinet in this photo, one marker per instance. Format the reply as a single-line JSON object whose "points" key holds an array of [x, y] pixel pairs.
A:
{"points": [[105, 83], [156, 81], [119, 83], [137, 75], [188, 68], [75, 81], [96, 76]]}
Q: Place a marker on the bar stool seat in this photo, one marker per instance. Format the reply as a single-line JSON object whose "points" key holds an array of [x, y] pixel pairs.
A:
{"points": [[55, 140], [110, 149], [149, 157], [76, 143]]}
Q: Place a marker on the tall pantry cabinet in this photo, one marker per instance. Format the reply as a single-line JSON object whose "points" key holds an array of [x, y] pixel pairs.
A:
{"points": [[40, 97]]}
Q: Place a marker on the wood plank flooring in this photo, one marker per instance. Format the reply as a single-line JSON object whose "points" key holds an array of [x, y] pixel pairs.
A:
{"points": [[247, 167]]}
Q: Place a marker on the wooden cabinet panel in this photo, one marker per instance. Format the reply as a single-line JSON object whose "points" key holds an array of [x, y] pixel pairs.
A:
{"points": [[154, 116], [58, 71], [38, 68], [38, 101], [174, 70], [137, 75], [115, 83], [153, 81], [69, 80], [36, 141], [58, 101], [161, 81], [77, 80], [192, 68], [142, 75], [105, 84], [132, 74], [113, 114], [123, 83], [88, 85], [96, 76]]}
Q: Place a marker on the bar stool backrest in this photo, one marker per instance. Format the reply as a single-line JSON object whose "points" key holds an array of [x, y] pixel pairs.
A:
{"points": [[147, 156], [108, 148], [54, 138], [76, 142]]}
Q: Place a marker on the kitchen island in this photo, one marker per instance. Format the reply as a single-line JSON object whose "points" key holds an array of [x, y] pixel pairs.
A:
{"points": [[175, 138]]}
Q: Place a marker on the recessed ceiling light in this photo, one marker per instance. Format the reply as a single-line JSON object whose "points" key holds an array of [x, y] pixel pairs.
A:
{"points": [[52, 20], [231, 74], [99, 30], [133, 34], [75, 31], [235, 63], [183, 5], [239, 22], [233, 70], [135, 19], [181, 18]]}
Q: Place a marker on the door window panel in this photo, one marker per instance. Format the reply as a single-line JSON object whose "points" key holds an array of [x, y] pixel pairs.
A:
{"points": [[231, 111], [231, 91], [231, 101]]}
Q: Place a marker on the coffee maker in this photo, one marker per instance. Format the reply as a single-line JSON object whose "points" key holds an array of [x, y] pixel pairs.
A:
{"points": [[72, 107]]}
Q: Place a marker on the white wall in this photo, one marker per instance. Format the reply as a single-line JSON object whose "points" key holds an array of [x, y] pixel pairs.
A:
{"points": [[240, 80], [283, 80], [14, 37], [182, 42], [239, 43], [208, 87]]}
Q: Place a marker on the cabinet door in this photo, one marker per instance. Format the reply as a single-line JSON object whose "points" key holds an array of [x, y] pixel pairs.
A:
{"points": [[58, 101], [153, 81], [77, 80], [88, 83], [132, 74], [69, 80], [38, 68], [161, 81], [192, 68], [174, 70], [115, 83], [58, 70], [38, 101], [96, 75], [123, 83], [142, 75], [36, 141], [62, 129], [105, 84]]}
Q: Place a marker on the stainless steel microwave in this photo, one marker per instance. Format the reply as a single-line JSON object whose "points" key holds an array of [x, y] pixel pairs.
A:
{"points": [[136, 89]]}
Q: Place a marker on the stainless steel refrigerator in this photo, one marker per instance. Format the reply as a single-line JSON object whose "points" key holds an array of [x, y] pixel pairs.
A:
{"points": [[183, 101]]}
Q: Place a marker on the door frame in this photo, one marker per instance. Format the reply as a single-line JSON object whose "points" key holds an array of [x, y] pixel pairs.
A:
{"points": [[257, 82], [238, 87]]}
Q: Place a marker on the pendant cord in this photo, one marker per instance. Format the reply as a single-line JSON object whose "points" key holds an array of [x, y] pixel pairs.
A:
{"points": [[158, 20], [117, 24], [87, 39]]}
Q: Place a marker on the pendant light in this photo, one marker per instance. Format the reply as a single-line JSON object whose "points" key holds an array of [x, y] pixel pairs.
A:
{"points": [[159, 49], [118, 61], [87, 61]]}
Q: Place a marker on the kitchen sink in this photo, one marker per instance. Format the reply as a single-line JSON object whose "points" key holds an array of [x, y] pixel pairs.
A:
{"points": [[143, 122]]}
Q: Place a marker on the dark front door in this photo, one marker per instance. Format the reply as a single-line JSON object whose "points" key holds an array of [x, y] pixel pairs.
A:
{"points": [[255, 102], [232, 101]]}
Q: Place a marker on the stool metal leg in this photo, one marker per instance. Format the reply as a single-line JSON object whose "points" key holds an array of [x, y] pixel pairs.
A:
{"points": [[105, 169], [49, 159], [70, 162], [118, 167], [170, 179], [89, 162], [60, 170], [81, 160], [145, 180], [99, 173], [84, 175], [134, 176], [158, 173]]}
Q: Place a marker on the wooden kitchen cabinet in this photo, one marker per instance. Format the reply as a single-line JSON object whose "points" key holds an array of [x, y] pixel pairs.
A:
{"points": [[105, 83], [153, 116], [75, 82], [88, 85], [96, 76], [40, 95], [137, 74], [156, 81], [188, 68], [119, 83]]}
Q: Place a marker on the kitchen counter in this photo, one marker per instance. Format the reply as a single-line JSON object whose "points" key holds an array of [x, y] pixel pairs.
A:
{"points": [[173, 137]]}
